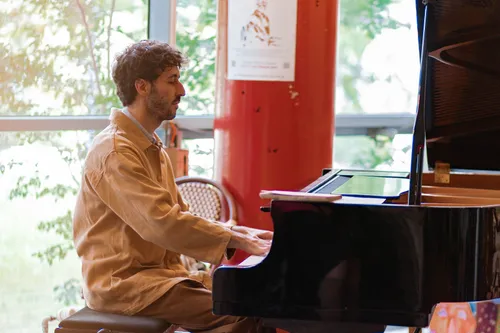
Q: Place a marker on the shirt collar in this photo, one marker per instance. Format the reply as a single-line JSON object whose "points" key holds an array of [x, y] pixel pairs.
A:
{"points": [[135, 131]]}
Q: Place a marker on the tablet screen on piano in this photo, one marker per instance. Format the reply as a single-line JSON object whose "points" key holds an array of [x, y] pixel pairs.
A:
{"points": [[379, 187]]}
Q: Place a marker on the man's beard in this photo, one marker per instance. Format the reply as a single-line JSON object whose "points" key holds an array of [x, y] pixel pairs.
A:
{"points": [[160, 107]]}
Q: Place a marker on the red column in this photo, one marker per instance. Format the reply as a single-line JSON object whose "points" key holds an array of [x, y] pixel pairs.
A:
{"points": [[277, 135]]}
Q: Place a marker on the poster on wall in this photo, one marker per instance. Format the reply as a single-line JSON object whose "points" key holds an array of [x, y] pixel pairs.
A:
{"points": [[261, 40]]}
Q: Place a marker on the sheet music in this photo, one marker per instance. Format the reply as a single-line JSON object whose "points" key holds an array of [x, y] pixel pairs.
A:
{"points": [[298, 196]]}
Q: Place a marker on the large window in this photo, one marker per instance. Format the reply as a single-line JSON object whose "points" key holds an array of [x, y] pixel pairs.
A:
{"points": [[58, 53], [377, 75], [195, 36], [55, 62], [39, 273]]}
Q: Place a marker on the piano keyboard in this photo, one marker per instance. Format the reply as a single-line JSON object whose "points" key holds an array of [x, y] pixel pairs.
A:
{"points": [[251, 261]]}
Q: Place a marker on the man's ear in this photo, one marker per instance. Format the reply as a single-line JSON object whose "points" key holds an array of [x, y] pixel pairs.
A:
{"points": [[143, 87]]}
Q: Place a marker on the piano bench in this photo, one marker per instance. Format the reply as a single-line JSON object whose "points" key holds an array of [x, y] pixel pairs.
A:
{"points": [[90, 321]]}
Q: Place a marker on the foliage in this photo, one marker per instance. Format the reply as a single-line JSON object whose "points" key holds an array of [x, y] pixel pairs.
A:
{"points": [[197, 40], [68, 292], [379, 151], [39, 54], [197, 169], [360, 22]]}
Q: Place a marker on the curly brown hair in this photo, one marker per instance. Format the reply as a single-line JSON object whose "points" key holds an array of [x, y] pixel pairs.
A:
{"points": [[146, 60]]}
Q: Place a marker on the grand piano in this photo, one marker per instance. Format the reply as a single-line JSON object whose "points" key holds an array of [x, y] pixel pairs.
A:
{"points": [[396, 244]]}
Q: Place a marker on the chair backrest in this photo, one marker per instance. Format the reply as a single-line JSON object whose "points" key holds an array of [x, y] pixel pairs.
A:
{"points": [[207, 198]]}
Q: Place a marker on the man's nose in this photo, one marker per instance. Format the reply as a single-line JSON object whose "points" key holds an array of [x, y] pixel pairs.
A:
{"points": [[181, 91]]}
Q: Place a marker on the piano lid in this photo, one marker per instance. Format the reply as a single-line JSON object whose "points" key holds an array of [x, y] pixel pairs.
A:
{"points": [[462, 116]]}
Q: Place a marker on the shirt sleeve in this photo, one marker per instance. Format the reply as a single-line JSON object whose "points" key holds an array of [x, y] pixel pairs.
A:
{"points": [[126, 188], [185, 207]]}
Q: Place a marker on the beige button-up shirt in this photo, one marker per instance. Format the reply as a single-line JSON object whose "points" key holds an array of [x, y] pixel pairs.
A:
{"points": [[130, 224]]}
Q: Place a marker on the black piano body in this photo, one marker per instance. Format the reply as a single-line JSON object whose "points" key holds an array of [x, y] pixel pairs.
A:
{"points": [[397, 244], [386, 264]]}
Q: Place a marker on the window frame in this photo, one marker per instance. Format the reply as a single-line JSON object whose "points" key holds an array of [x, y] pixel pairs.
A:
{"points": [[197, 127]]}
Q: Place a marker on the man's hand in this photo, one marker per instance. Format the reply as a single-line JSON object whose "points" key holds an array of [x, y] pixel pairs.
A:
{"points": [[253, 241], [262, 234]]}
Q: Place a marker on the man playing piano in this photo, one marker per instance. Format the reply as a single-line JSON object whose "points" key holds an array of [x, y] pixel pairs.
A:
{"points": [[130, 223]]}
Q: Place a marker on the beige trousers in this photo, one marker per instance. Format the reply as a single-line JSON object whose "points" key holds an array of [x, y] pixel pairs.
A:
{"points": [[189, 306]]}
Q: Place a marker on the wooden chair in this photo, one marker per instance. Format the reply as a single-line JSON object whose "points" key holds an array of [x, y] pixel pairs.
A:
{"points": [[209, 199]]}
